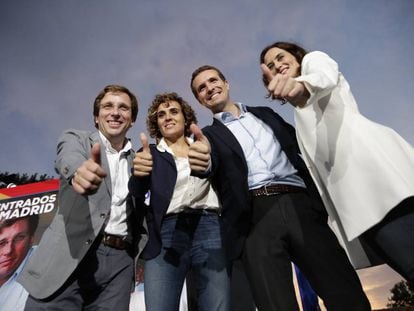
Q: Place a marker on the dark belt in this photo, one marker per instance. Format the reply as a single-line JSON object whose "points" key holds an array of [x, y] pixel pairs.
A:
{"points": [[194, 211], [275, 190], [114, 241]]}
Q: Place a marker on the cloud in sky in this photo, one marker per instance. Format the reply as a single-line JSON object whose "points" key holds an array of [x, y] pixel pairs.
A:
{"points": [[55, 56], [377, 283]]}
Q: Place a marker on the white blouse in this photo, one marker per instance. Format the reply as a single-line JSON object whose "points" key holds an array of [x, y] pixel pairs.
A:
{"points": [[189, 191]]}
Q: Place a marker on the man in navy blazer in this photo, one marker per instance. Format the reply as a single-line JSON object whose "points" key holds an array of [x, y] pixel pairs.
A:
{"points": [[263, 182]]}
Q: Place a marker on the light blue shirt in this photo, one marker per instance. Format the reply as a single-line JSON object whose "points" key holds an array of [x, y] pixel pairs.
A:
{"points": [[12, 295], [266, 161]]}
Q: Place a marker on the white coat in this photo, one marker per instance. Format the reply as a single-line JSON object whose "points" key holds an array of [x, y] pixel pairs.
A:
{"points": [[362, 169]]}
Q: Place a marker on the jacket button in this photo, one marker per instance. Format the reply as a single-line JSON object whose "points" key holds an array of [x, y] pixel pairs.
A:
{"points": [[88, 242], [103, 215]]}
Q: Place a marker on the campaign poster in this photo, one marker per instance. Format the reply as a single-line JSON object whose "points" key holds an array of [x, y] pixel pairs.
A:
{"points": [[25, 212]]}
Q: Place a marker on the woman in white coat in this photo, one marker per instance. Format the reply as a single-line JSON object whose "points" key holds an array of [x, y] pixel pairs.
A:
{"points": [[364, 171]]}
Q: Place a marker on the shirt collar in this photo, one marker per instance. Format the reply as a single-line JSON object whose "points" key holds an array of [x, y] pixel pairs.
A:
{"points": [[227, 117], [163, 147], [110, 149]]}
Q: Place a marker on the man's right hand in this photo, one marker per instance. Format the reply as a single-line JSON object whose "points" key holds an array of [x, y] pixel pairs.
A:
{"points": [[90, 174], [143, 159], [199, 151]]}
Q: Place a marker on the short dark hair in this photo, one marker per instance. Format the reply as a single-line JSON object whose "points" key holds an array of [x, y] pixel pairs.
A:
{"points": [[188, 112], [297, 51], [32, 220], [200, 70], [114, 88]]}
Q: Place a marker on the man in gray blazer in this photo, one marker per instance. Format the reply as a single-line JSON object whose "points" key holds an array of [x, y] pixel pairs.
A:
{"points": [[85, 258]]}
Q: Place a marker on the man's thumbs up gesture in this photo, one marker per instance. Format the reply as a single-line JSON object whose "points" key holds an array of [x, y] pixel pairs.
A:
{"points": [[199, 152], [143, 159], [90, 174]]}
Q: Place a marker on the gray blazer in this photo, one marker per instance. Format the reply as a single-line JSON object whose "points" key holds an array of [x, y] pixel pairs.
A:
{"points": [[78, 220]]}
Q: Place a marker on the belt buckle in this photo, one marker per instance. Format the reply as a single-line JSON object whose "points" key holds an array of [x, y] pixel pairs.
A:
{"points": [[265, 191], [106, 239]]}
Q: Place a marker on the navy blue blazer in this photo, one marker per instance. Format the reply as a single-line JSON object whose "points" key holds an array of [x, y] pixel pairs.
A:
{"points": [[230, 173], [160, 183]]}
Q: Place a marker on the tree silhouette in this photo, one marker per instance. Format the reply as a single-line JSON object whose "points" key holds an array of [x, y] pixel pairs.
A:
{"points": [[7, 178], [402, 295]]}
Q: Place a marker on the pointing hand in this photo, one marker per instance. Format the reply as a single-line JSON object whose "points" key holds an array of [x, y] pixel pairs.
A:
{"points": [[285, 88]]}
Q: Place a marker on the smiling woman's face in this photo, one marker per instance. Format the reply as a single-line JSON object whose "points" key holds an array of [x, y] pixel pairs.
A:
{"points": [[170, 120], [282, 62]]}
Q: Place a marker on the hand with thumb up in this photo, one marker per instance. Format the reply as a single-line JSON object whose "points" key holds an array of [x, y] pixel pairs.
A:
{"points": [[143, 159], [199, 151], [90, 174]]}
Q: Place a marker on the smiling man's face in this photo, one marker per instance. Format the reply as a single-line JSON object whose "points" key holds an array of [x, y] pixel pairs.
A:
{"points": [[115, 116], [15, 241], [212, 92]]}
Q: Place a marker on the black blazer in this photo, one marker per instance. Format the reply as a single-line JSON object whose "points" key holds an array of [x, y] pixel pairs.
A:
{"points": [[230, 173], [161, 184]]}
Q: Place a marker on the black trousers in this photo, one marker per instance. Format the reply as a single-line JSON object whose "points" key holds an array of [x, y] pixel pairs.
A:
{"points": [[241, 295], [393, 239], [102, 281], [290, 228]]}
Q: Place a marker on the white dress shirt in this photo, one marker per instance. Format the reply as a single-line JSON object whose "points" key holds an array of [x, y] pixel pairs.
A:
{"points": [[118, 167], [13, 295], [267, 162]]}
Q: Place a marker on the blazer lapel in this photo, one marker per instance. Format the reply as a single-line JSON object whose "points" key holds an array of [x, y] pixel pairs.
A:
{"points": [[168, 158], [130, 159], [226, 136]]}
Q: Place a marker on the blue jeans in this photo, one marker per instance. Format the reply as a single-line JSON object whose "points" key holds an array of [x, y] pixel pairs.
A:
{"points": [[189, 242]]}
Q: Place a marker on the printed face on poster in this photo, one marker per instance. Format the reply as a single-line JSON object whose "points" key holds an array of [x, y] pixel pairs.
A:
{"points": [[25, 213]]}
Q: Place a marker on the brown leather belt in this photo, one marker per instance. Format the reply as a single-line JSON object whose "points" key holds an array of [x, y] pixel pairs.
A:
{"points": [[275, 190], [115, 241]]}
